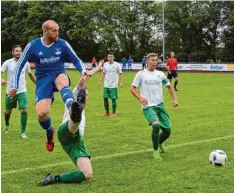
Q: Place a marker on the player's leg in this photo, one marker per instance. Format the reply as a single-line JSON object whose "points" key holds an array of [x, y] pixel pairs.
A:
{"points": [[7, 120], [23, 105], [77, 153], [24, 118], [169, 76], [44, 97], [151, 116], [43, 114], [9, 105], [62, 83], [114, 106], [84, 173], [106, 95], [176, 80], [114, 97], [164, 135], [165, 127]]}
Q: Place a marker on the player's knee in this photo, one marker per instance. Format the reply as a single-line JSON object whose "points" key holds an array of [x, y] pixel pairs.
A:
{"points": [[87, 173], [61, 81], [8, 112], [42, 115], [23, 110]]}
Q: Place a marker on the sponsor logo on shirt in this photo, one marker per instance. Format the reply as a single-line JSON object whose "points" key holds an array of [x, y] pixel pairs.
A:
{"points": [[40, 53], [50, 60], [152, 82]]}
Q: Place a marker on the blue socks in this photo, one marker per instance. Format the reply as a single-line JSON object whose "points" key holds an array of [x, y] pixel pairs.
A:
{"points": [[47, 126], [67, 96]]}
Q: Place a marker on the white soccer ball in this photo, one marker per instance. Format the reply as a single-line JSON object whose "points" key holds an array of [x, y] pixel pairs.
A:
{"points": [[218, 157]]}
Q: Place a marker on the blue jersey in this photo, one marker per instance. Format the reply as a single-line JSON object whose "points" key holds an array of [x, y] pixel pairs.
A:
{"points": [[49, 60], [124, 61], [144, 59], [130, 61]]}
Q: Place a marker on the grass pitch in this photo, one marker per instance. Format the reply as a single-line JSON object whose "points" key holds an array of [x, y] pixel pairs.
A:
{"points": [[121, 147]]}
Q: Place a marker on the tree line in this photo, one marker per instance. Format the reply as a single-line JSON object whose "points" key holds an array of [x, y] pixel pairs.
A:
{"points": [[197, 31]]}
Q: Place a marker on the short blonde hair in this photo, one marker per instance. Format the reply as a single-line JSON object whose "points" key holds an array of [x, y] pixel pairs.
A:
{"points": [[152, 55]]}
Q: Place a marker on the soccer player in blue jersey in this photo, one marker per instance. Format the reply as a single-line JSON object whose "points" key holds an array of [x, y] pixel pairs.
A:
{"points": [[130, 62], [124, 62], [49, 54]]}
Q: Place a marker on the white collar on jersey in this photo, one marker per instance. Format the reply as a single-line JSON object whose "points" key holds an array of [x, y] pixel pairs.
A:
{"points": [[46, 45]]}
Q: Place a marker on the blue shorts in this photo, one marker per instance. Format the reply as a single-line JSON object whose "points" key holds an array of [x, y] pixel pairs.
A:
{"points": [[173, 74], [45, 88]]}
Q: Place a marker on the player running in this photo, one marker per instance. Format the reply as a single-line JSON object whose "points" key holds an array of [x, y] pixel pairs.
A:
{"points": [[172, 69], [151, 98], [110, 75], [21, 94], [70, 135], [49, 54]]}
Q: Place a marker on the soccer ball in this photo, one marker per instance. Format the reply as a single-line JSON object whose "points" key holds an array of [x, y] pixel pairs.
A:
{"points": [[218, 157]]}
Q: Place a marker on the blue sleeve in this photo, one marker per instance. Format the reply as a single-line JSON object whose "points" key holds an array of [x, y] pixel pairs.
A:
{"points": [[21, 63], [74, 58]]}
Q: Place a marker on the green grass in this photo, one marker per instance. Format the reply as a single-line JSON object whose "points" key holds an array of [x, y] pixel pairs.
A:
{"points": [[205, 111]]}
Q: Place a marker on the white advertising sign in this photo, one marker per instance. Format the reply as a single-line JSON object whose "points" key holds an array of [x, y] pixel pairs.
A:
{"points": [[181, 67]]}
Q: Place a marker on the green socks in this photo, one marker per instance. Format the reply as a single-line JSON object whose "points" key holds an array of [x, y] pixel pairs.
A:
{"points": [[114, 105], [7, 118], [155, 136], [164, 135], [24, 118], [71, 177], [106, 105]]}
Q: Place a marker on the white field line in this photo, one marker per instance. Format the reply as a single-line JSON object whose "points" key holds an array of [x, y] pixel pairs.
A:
{"points": [[116, 155]]}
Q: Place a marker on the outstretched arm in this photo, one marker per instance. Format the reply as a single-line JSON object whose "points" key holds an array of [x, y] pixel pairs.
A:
{"points": [[82, 80], [73, 127], [74, 58]]}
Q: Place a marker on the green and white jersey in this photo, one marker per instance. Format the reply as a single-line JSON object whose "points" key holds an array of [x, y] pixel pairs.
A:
{"points": [[9, 66], [150, 84], [112, 72]]}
